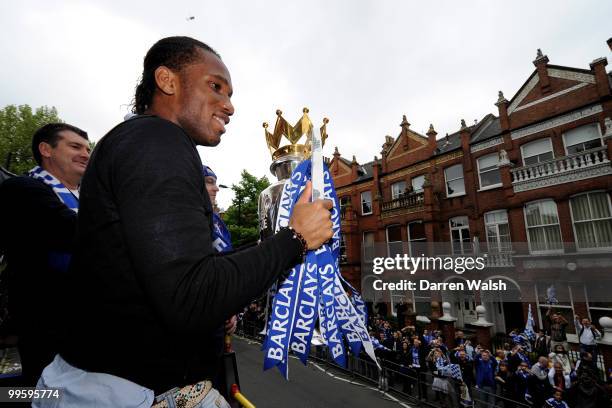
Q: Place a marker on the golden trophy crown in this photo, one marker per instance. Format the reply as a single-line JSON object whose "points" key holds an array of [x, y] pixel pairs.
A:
{"points": [[293, 134]]}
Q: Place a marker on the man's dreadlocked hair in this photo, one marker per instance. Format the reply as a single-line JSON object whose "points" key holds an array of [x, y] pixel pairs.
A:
{"points": [[172, 52]]}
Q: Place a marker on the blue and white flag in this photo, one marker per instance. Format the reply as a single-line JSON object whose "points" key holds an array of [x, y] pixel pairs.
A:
{"points": [[377, 345], [551, 295], [529, 325], [66, 196], [455, 372], [313, 290]]}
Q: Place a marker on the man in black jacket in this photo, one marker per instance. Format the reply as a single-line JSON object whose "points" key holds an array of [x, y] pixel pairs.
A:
{"points": [[418, 366], [38, 217], [148, 288]]}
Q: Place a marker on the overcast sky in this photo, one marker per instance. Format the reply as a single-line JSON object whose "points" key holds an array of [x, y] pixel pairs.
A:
{"points": [[361, 63]]}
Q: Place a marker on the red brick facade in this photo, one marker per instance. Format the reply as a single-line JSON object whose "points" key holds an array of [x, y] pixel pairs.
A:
{"points": [[553, 101]]}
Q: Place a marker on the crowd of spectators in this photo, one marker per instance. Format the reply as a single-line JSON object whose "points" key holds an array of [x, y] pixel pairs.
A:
{"points": [[523, 372]]}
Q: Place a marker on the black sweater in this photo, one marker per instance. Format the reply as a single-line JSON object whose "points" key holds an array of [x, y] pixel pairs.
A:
{"points": [[148, 289], [36, 231]]}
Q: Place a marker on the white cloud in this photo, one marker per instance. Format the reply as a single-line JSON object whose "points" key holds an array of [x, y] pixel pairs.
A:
{"points": [[361, 63]]}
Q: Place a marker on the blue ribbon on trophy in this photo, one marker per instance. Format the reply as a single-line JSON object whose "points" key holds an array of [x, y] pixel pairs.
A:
{"points": [[314, 290]]}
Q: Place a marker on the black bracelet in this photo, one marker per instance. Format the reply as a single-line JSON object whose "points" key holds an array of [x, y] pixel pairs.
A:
{"points": [[300, 238]]}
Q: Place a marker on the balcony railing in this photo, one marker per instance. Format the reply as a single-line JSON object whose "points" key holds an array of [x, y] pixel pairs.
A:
{"points": [[405, 201], [499, 260], [587, 164]]}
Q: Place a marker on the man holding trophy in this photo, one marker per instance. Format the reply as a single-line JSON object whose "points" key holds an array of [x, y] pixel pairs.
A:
{"points": [[148, 289]]}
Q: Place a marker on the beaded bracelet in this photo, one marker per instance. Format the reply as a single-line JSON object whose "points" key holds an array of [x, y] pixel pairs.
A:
{"points": [[299, 237]]}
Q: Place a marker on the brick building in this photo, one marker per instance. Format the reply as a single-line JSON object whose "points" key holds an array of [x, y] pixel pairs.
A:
{"points": [[529, 186]]}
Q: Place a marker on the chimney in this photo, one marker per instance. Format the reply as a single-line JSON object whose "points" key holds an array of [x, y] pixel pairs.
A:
{"points": [[431, 138], [502, 106], [610, 43], [375, 169], [405, 125], [541, 64], [465, 135], [385, 150], [598, 67], [354, 167], [336, 166]]}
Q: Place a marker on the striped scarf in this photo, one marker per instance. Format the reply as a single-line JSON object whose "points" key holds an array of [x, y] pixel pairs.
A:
{"points": [[65, 195]]}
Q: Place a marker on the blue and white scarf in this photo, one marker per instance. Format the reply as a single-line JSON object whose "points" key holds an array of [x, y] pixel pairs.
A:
{"points": [[222, 240], [314, 290], [551, 402], [58, 261], [65, 195]]}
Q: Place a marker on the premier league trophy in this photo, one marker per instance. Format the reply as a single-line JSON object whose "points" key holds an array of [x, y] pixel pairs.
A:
{"points": [[311, 302], [285, 158]]}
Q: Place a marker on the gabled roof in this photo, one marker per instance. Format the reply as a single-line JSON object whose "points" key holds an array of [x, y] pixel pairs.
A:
{"points": [[558, 71], [448, 143], [487, 128], [365, 172]]}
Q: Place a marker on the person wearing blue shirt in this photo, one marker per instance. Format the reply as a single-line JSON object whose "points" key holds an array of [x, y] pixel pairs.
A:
{"points": [[556, 401], [485, 377]]}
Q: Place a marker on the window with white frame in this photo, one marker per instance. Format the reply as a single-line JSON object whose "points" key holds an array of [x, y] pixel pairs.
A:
{"points": [[498, 231], [488, 172], [460, 235], [543, 230], [416, 238], [558, 294], [454, 180], [366, 202], [582, 138], [592, 217], [398, 189], [537, 151], [422, 302], [394, 241], [397, 297], [344, 203], [343, 257], [417, 183], [368, 246], [598, 300]]}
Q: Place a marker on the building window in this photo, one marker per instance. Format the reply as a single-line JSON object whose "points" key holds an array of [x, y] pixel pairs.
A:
{"points": [[598, 299], [397, 297], [537, 151], [488, 172], [592, 219], [394, 241], [345, 201], [343, 257], [454, 180], [366, 203], [460, 235], [417, 183], [558, 294], [543, 231], [416, 238], [368, 246], [398, 189], [498, 231], [582, 138]]}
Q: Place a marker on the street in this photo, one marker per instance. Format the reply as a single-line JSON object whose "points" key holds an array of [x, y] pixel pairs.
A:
{"points": [[315, 386]]}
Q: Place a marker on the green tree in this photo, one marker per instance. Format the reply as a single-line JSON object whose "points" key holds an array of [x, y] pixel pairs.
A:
{"points": [[17, 125], [241, 217]]}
